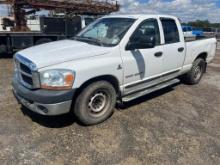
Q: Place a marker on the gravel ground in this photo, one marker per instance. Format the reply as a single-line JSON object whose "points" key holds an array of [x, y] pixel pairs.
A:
{"points": [[178, 125]]}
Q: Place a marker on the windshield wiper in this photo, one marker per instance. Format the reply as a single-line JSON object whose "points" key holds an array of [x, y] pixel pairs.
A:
{"points": [[89, 40]]}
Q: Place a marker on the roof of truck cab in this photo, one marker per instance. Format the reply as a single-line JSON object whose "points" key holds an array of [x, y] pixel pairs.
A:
{"points": [[139, 16]]}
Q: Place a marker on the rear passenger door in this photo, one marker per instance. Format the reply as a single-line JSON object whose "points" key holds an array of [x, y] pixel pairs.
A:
{"points": [[173, 47]]}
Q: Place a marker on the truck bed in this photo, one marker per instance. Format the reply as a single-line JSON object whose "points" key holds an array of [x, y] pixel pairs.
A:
{"points": [[190, 39], [205, 45]]}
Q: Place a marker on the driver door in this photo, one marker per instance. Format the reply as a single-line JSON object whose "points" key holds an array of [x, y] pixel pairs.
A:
{"points": [[143, 67]]}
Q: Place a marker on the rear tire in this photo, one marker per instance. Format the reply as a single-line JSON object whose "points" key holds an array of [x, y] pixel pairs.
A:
{"points": [[95, 103], [196, 73]]}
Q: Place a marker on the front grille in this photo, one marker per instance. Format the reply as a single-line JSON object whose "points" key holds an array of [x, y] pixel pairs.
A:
{"points": [[27, 79], [27, 73], [25, 69]]}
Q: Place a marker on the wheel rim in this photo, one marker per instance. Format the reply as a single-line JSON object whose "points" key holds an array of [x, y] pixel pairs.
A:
{"points": [[97, 104], [198, 72]]}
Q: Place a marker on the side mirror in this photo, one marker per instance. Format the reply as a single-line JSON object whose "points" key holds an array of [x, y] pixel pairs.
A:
{"points": [[144, 42]]}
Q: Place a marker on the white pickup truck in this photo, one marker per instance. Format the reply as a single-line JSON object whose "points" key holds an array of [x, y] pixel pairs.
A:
{"points": [[116, 58]]}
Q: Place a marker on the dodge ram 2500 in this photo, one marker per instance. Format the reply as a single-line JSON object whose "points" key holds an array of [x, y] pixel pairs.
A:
{"points": [[116, 58]]}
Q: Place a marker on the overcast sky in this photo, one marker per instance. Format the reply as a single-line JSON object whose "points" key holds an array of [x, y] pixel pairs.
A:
{"points": [[186, 10]]}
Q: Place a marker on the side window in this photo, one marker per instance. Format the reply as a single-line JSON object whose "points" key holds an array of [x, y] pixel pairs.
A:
{"points": [[149, 29], [170, 29]]}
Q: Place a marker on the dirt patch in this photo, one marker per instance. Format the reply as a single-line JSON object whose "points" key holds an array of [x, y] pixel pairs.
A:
{"points": [[178, 125]]}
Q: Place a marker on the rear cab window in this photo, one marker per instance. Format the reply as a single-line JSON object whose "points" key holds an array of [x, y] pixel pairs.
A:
{"points": [[171, 33]]}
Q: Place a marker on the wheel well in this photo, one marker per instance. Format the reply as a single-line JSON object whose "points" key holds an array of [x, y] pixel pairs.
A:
{"points": [[111, 79], [203, 56]]}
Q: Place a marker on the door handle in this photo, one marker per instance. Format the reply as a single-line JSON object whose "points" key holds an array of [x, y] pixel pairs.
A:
{"points": [[158, 54], [180, 49]]}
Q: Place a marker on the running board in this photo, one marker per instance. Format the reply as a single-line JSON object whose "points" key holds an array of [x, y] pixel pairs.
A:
{"points": [[150, 90]]}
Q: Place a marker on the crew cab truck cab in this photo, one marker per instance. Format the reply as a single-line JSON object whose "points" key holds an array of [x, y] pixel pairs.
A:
{"points": [[118, 57]]}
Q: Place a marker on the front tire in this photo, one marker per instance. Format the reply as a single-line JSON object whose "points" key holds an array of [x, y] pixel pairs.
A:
{"points": [[196, 73], [95, 103]]}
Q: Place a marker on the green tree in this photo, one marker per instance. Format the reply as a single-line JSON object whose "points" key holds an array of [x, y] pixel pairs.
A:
{"points": [[200, 23]]}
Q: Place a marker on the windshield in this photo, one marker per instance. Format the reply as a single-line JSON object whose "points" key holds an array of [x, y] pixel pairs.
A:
{"points": [[106, 31]]}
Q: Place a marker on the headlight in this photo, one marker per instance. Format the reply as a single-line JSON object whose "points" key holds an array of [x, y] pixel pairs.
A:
{"points": [[58, 79]]}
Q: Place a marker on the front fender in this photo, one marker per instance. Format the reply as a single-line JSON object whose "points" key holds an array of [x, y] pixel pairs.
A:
{"points": [[89, 68]]}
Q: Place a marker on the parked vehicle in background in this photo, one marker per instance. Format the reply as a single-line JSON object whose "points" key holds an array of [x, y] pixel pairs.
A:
{"points": [[39, 24], [43, 30], [51, 28], [116, 58], [209, 31], [187, 31], [212, 32], [198, 32], [190, 31]]}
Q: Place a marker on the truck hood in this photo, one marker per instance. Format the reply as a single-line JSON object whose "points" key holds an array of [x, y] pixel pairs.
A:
{"points": [[61, 51]]}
